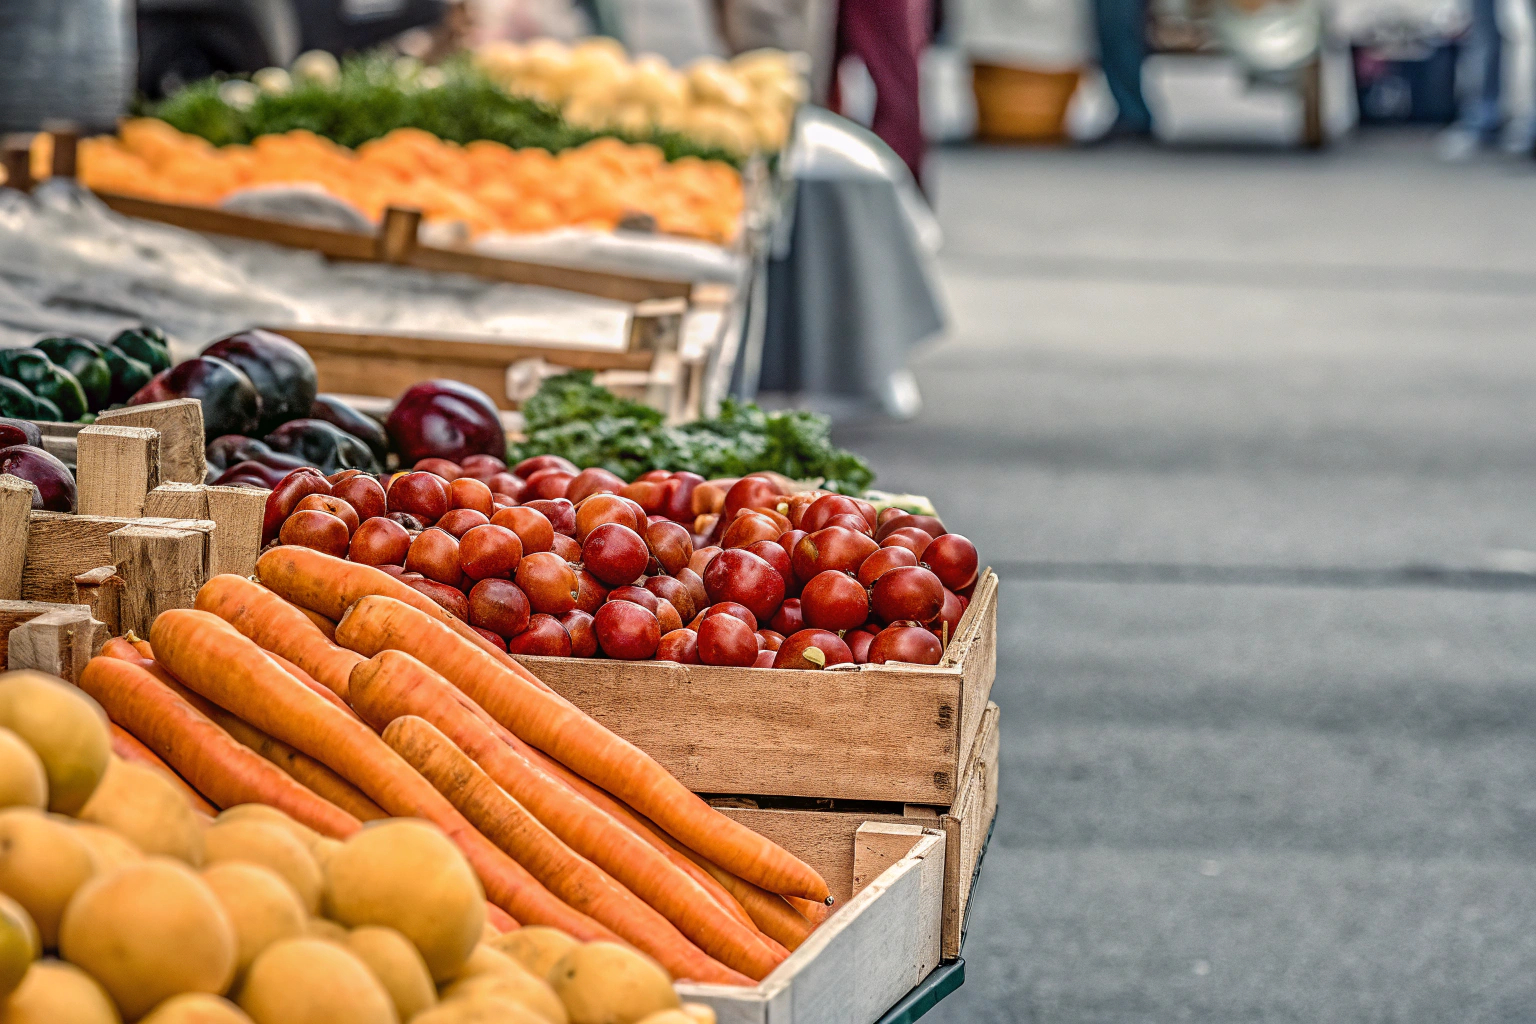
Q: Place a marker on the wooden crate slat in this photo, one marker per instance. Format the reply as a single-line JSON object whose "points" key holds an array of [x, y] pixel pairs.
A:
{"points": [[15, 509], [348, 245], [866, 956], [180, 423], [825, 839], [116, 467]]}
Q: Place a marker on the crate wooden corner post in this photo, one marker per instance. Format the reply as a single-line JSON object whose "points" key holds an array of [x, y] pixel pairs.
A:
{"points": [[116, 467], [55, 638], [866, 956], [162, 567], [15, 514], [180, 423]]}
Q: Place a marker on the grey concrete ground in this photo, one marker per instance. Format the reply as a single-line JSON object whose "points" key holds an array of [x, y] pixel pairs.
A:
{"points": [[1252, 437]]}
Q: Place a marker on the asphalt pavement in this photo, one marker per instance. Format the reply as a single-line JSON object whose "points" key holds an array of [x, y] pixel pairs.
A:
{"points": [[1251, 438]]}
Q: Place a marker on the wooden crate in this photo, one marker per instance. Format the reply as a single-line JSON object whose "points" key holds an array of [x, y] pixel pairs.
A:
{"points": [[825, 837], [146, 533], [868, 954], [383, 365], [892, 733]]}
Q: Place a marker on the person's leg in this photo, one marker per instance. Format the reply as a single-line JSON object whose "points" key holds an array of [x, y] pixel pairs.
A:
{"points": [[1481, 112], [889, 36], [1478, 116], [1122, 29]]}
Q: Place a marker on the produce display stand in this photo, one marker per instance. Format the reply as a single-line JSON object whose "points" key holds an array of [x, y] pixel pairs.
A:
{"points": [[904, 887], [679, 348]]}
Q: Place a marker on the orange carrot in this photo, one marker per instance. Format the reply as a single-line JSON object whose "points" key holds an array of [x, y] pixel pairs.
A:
{"points": [[815, 913], [392, 685], [230, 670], [278, 626], [310, 681], [201, 752], [328, 586], [771, 912], [376, 624], [304, 769], [328, 627], [126, 746], [640, 827], [565, 873], [141, 645]]}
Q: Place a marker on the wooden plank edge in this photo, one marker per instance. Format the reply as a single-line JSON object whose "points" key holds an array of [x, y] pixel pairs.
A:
{"points": [[926, 853]]}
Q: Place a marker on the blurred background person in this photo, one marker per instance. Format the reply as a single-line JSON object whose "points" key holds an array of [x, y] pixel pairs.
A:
{"points": [[1480, 115], [1121, 26]]}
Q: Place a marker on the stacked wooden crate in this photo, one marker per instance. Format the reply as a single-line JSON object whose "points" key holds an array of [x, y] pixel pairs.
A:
{"points": [[862, 771], [145, 535]]}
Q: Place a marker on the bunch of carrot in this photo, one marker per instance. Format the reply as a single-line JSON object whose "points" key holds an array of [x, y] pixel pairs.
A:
{"points": [[339, 694]]}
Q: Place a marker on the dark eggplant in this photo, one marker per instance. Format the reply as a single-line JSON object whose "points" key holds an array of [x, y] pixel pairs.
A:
{"points": [[146, 344], [365, 428], [53, 486], [14, 431], [282, 372], [323, 445], [447, 420], [230, 449], [83, 359], [251, 474], [230, 402], [128, 374], [16, 401]]}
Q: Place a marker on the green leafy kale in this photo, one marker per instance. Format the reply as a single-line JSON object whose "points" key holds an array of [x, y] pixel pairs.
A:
{"points": [[372, 98], [572, 417]]}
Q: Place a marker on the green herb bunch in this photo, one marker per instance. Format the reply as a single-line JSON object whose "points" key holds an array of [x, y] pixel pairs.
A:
{"points": [[573, 417], [373, 97]]}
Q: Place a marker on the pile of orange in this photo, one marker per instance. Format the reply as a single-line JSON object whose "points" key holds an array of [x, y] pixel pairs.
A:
{"points": [[484, 185]]}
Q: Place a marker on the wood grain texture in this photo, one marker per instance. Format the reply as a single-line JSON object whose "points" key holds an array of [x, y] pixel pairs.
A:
{"points": [[853, 968], [161, 567], [876, 846], [61, 546], [14, 613], [359, 363], [867, 734], [61, 448], [180, 422], [15, 511], [893, 733], [101, 590], [115, 467], [348, 245], [177, 501], [237, 512], [826, 839], [965, 828], [60, 642]]}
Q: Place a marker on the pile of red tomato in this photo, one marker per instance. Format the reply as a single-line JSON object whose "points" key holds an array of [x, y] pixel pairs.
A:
{"points": [[546, 559]]}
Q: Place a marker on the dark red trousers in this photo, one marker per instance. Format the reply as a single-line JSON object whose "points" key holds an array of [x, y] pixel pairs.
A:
{"points": [[889, 36]]}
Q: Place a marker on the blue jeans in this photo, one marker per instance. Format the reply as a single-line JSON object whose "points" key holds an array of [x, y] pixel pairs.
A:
{"points": [[1485, 65], [1122, 30]]}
